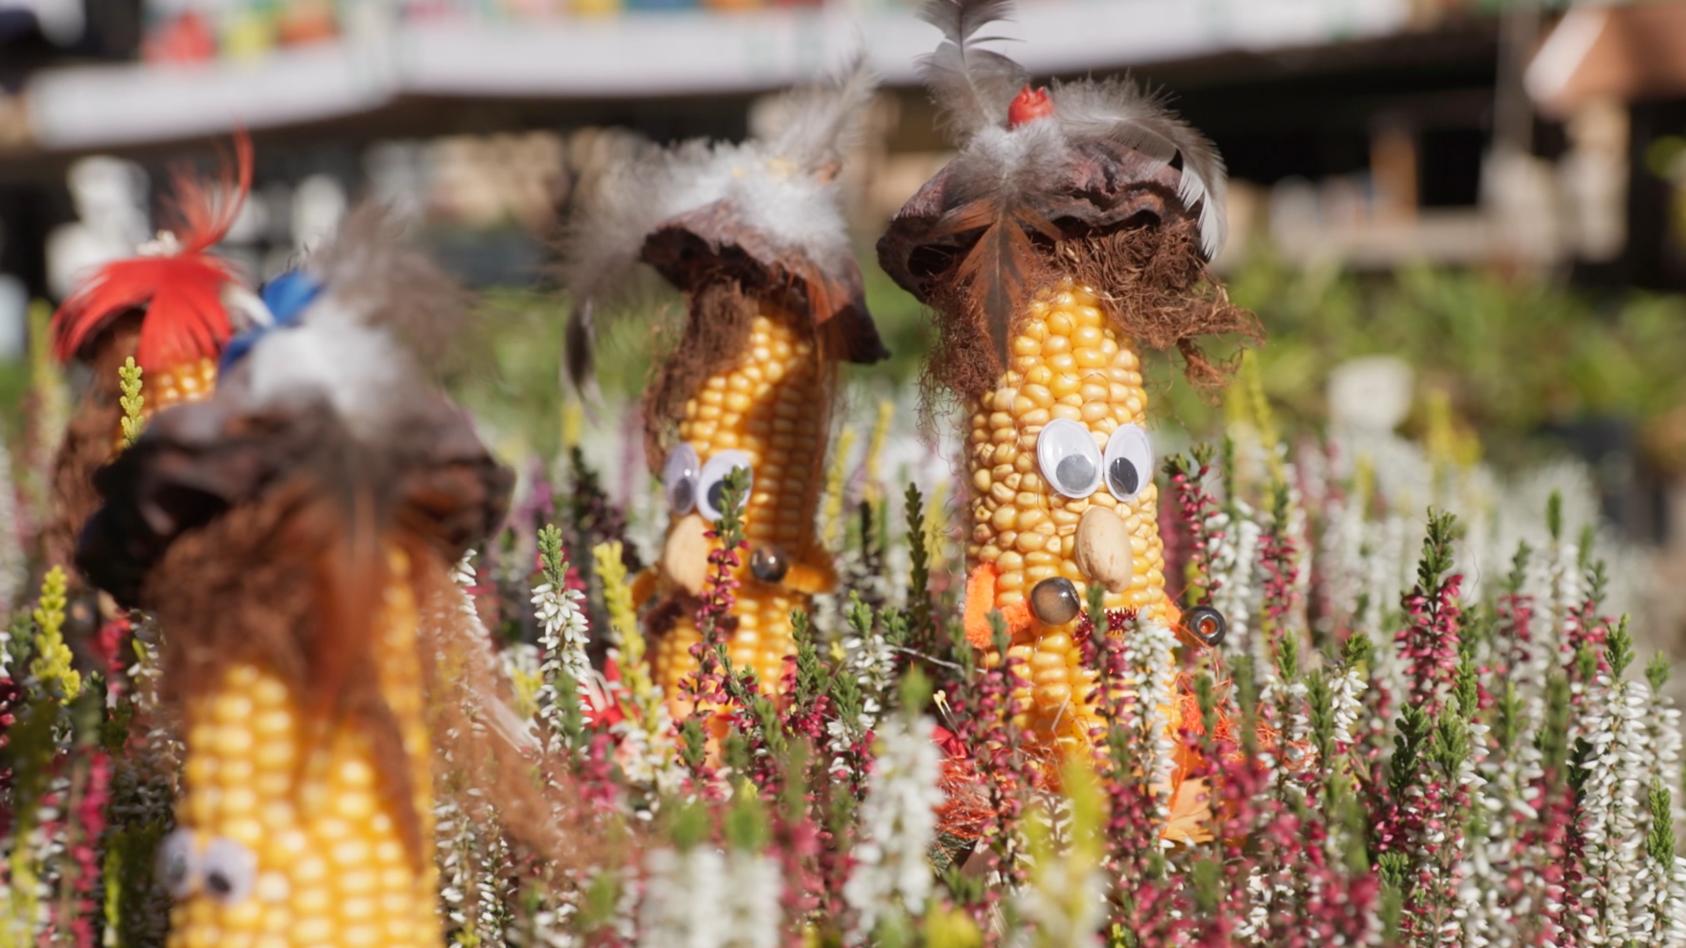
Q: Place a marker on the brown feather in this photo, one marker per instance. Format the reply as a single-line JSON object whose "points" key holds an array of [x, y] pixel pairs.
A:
{"points": [[1003, 266]]}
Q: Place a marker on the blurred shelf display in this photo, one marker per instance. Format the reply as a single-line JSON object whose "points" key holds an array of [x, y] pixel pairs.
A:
{"points": [[249, 65]]}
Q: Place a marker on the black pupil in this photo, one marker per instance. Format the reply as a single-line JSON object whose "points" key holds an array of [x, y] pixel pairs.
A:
{"points": [[1125, 478], [717, 495], [682, 493], [1074, 472], [218, 883]]}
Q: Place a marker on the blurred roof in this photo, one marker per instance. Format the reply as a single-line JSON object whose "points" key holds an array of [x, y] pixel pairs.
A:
{"points": [[1622, 52], [86, 108]]}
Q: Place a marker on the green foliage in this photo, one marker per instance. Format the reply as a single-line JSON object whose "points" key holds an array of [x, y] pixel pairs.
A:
{"points": [[747, 829], [1518, 575], [1659, 839], [1438, 551], [1618, 650], [1409, 743], [1657, 671]]}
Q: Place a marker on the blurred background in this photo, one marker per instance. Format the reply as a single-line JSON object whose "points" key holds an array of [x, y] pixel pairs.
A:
{"points": [[1463, 221]]}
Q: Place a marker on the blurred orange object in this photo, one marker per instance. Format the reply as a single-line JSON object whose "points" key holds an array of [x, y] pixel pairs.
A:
{"points": [[300, 24], [186, 38]]}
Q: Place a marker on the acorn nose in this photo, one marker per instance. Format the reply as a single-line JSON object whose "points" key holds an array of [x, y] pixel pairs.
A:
{"points": [[1054, 601], [1102, 549]]}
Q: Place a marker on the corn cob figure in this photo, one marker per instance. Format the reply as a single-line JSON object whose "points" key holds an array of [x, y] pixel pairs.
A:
{"points": [[753, 236], [171, 308], [289, 534], [1069, 234]]}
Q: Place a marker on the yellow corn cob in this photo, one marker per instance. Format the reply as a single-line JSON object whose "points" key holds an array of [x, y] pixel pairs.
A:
{"points": [[179, 384], [772, 403], [186, 382], [1066, 361], [305, 800]]}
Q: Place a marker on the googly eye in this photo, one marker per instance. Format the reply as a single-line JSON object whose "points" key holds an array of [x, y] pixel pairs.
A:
{"points": [[679, 479], [230, 870], [180, 869], [1066, 453], [711, 483], [1129, 462]]}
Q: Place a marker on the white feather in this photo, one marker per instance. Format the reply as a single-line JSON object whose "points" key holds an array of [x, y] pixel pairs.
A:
{"points": [[780, 186], [359, 369], [972, 86], [1119, 110]]}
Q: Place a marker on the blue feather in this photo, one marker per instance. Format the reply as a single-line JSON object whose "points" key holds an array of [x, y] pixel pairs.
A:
{"points": [[287, 296]]}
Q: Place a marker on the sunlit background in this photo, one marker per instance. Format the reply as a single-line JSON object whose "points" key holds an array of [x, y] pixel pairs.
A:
{"points": [[1463, 221]]}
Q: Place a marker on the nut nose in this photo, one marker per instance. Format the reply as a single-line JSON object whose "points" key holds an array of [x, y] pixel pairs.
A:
{"points": [[1102, 549], [685, 553], [1054, 601]]}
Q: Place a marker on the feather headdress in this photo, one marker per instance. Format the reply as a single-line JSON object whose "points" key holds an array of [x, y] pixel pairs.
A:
{"points": [[258, 523], [1038, 168], [764, 212], [175, 280]]}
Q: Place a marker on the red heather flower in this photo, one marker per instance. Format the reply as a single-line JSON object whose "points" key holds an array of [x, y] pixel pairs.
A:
{"points": [[596, 770], [90, 823], [1429, 642], [11, 695], [796, 842], [1193, 514], [715, 620], [1278, 557]]}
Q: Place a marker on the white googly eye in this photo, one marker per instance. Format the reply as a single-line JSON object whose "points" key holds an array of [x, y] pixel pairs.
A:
{"points": [[230, 871], [1069, 460], [1129, 462], [679, 479], [711, 483], [180, 870]]}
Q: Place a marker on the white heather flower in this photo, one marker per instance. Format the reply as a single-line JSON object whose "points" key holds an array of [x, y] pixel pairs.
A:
{"points": [[648, 754], [1663, 739], [869, 655], [898, 824], [683, 898], [1065, 906], [1614, 840], [751, 902], [1149, 679], [1347, 704], [1234, 558], [563, 632]]}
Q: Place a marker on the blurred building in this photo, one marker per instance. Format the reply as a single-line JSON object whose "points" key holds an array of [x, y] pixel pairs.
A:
{"points": [[1368, 132]]}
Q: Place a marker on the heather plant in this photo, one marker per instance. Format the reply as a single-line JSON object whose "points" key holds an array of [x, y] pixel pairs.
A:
{"points": [[1379, 749]]}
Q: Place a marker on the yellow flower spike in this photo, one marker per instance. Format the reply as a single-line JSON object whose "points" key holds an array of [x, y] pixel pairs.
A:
{"points": [[875, 451], [52, 662], [133, 401], [936, 523], [525, 685], [624, 635], [949, 927], [836, 482], [573, 423]]}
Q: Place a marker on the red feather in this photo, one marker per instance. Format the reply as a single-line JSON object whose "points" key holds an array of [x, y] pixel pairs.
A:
{"points": [[181, 293]]}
